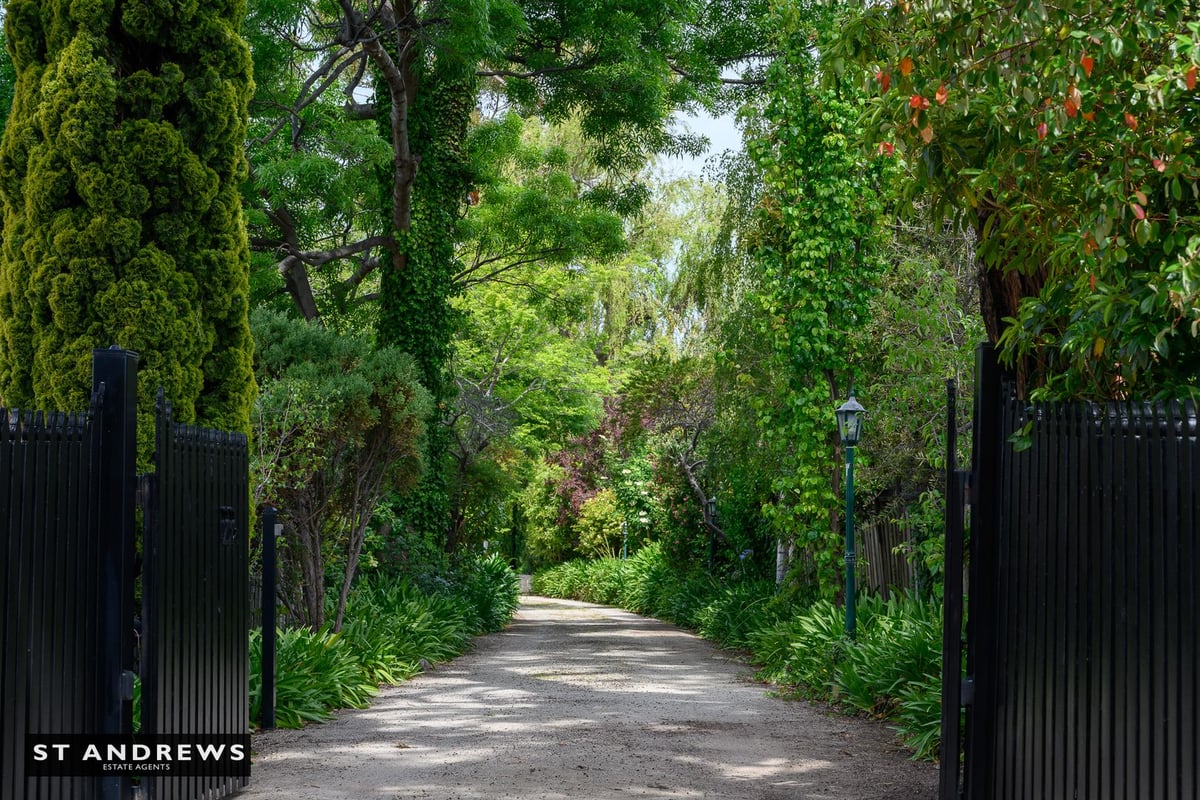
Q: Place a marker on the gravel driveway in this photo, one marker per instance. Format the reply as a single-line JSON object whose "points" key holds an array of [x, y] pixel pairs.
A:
{"points": [[585, 702]]}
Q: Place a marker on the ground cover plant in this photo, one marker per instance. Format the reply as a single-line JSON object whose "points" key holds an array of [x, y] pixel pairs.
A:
{"points": [[395, 627], [891, 671]]}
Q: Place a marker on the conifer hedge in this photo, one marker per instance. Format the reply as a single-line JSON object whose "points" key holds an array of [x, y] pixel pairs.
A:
{"points": [[120, 169]]}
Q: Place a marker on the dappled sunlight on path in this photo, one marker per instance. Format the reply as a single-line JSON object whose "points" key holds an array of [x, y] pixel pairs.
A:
{"points": [[587, 703]]}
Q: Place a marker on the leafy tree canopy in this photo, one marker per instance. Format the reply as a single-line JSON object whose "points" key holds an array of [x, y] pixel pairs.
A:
{"points": [[1065, 136], [338, 426]]}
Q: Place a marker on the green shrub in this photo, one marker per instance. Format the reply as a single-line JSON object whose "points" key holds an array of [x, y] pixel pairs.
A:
{"points": [[681, 601], [605, 581], [598, 527], [737, 611], [565, 580], [490, 588], [314, 672], [899, 646], [919, 716], [648, 580], [416, 624], [392, 627], [803, 651]]}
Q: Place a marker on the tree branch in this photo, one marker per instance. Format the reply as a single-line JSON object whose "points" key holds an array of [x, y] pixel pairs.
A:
{"points": [[316, 258], [576, 66]]}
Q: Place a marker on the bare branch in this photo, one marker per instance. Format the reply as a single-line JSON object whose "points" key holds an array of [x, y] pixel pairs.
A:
{"points": [[724, 81], [318, 257], [467, 277]]}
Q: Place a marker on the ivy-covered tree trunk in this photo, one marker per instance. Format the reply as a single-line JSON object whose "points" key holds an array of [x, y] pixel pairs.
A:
{"points": [[414, 295], [817, 261], [415, 314], [119, 175]]}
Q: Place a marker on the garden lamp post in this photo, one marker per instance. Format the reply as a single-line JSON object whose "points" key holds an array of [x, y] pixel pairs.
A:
{"points": [[849, 421]]}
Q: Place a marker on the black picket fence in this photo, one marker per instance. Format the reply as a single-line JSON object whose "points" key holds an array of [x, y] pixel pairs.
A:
{"points": [[196, 612], [1081, 638], [49, 593], [68, 496]]}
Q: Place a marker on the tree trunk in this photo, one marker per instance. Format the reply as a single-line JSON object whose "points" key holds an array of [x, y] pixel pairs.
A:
{"points": [[782, 550], [1001, 291], [312, 567]]}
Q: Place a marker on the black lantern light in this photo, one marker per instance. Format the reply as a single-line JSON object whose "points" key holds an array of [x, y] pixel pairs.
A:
{"points": [[849, 421]]}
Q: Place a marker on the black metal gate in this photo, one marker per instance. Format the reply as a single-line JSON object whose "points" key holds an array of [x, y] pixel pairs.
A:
{"points": [[67, 615], [49, 640], [195, 645], [1082, 632]]}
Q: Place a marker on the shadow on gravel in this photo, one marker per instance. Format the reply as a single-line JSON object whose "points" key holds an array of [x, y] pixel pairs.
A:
{"points": [[587, 703]]}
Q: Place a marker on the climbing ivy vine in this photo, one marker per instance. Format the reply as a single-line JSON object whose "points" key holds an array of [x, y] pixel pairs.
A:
{"points": [[415, 314], [817, 264]]}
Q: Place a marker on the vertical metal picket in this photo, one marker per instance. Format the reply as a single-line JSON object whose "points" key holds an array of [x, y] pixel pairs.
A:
{"points": [[952, 617], [68, 489], [195, 671], [269, 620], [1081, 637], [66, 611]]}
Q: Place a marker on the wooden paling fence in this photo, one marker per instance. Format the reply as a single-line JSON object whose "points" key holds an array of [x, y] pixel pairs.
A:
{"points": [[883, 545]]}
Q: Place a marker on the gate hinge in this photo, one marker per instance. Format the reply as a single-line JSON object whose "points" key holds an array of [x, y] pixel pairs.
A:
{"points": [[967, 691]]}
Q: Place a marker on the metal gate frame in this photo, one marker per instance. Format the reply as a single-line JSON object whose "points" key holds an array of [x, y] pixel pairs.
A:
{"points": [[68, 628], [1081, 642]]}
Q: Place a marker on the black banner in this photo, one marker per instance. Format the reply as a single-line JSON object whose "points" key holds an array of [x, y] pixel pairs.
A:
{"points": [[81, 755]]}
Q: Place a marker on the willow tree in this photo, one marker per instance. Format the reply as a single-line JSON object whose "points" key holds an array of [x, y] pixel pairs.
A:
{"points": [[119, 174]]}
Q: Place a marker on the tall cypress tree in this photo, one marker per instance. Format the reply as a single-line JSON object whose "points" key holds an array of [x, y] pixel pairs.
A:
{"points": [[120, 169]]}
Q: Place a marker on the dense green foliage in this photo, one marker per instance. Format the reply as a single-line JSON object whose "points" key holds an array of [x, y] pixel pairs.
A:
{"points": [[8, 79], [819, 260], [338, 428], [1063, 135], [486, 324], [119, 173], [892, 670], [394, 628], [426, 73]]}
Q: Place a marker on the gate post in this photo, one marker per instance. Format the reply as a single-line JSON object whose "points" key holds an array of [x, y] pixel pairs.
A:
{"points": [[269, 590], [114, 384], [952, 609], [987, 450]]}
